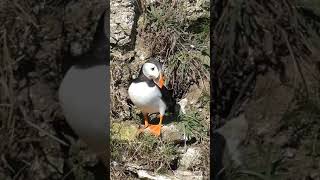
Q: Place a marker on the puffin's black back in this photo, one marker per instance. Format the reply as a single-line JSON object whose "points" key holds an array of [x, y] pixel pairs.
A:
{"points": [[167, 96], [98, 52]]}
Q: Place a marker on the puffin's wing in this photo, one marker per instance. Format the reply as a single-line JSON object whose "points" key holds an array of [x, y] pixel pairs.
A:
{"points": [[167, 97]]}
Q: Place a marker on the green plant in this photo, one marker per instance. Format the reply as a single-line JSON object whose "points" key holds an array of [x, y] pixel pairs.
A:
{"points": [[183, 44], [146, 151], [193, 125], [266, 163]]}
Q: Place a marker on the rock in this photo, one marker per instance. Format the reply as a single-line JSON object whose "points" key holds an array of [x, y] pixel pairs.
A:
{"points": [[235, 132], [188, 175], [191, 158], [197, 9], [126, 131], [289, 153], [172, 133], [282, 140], [79, 152], [271, 99], [142, 51], [41, 96], [183, 103], [315, 175], [120, 75], [76, 49], [79, 30], [175, 175], [142, 174], [121, 24], [151, 2], [121, 56], [194, 94]]}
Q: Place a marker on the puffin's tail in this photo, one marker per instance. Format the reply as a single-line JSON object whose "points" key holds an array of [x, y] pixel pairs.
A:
{"points": [[168, 97]]}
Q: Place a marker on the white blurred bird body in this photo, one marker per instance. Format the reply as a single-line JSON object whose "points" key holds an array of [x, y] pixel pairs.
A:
{"points": [[81, 98], [84, 93]]}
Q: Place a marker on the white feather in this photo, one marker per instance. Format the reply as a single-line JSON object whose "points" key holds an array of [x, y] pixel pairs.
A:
{"points": [[84, 98], [150, 71], [148, 99]]}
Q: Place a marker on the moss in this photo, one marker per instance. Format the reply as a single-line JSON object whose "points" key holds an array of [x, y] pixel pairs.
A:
{"points": [[124, 131], [147, 151]]}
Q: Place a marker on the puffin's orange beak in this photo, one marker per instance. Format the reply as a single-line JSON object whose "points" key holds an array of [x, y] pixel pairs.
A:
{"points": [[161, 80]]}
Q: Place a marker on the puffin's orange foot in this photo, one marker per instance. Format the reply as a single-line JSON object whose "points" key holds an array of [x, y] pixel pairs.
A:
{"points": [[155, 129]]}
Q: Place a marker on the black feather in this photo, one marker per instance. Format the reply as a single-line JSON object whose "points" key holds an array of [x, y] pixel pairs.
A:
{"points": [[98, 53], [142, 78], [167, 95]]}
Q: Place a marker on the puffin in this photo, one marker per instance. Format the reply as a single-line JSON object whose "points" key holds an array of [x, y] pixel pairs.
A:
{"points": [[148, 93], [84, 93]]}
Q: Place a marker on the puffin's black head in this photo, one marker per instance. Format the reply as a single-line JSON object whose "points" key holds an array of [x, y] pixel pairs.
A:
{"points": [[155, 62], [152, 70]]}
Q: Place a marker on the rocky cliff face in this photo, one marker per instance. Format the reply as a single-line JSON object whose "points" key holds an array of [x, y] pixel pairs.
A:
{"points": [[265, 89], [36, 41], [177, 33]]}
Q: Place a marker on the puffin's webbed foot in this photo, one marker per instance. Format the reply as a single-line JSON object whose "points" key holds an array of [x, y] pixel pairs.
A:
{"points": [[146, 123], [155, 129]]}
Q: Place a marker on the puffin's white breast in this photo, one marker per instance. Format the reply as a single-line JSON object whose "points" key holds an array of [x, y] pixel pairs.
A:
{"points": [[148, 99], [84, 98]]}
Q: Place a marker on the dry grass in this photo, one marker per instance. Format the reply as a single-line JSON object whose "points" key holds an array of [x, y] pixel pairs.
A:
{"points": [[147, 151], [250, 41], [181, 43], [6, 88]]}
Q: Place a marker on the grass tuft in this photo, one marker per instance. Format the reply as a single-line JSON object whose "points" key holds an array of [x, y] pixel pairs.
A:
{"points": [[170, 33], [147, 151]]}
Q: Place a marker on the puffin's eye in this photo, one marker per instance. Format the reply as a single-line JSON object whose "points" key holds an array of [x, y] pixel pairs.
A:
{"points": [[152, 69]]}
